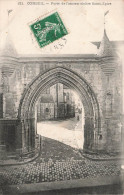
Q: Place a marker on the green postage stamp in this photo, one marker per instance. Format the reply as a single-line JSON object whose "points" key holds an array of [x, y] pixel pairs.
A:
{"points": [[48, 29]]}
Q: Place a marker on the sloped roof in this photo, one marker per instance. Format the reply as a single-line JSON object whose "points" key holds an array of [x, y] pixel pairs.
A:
{"points": [[8, 47], [113, 43], [105, 48], [46, 98]]}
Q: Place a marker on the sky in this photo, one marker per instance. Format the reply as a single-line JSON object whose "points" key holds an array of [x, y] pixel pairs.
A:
{"points": [[85, 24]]}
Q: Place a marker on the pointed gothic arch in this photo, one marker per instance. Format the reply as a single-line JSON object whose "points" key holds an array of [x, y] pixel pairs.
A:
{"points": [[26, 114]]}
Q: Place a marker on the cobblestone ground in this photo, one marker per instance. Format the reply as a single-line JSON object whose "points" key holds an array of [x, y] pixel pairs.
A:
{"points": [[57, 162]]}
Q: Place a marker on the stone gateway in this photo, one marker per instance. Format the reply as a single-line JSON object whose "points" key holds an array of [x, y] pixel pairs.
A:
{"points": [[96, 78]]}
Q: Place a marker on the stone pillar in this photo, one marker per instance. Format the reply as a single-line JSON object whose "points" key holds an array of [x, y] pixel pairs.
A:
{"points": [[0, 79], [19, 137], [55, 110], [25, 137], [1, 105], [2, 141], [1, 95], [2, 136], [90, 139]]}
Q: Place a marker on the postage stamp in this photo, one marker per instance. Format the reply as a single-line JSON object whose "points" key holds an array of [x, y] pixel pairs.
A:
{"points": [[48, 29]]}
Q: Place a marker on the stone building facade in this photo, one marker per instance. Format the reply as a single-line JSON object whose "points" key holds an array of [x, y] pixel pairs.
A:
{"points": [[45, 108], [56, 103], [96, 78]]}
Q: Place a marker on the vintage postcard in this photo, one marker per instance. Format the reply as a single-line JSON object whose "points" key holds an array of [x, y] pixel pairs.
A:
{"points": [[61, 97]]}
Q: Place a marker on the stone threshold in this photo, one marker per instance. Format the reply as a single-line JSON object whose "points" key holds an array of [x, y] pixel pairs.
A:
{"points": [[68, 184], [102, 157], [11, 162]]}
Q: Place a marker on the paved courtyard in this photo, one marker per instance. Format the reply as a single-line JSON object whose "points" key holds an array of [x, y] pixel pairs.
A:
{"points": [[57, 162], [69, 131]]}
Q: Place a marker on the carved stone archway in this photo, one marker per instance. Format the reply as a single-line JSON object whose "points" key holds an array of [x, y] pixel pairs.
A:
{"points": [[26, 114]]}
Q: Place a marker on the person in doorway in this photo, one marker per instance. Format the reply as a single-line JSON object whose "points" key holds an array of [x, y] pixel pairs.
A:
{"points": [[78, 118]]}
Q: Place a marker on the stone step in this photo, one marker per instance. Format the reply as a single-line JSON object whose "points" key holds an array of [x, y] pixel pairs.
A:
{"points": [[11, 157]]}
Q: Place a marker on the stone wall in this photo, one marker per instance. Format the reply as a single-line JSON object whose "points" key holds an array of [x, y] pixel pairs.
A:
{"points": [[8, 134], [107, 88]]}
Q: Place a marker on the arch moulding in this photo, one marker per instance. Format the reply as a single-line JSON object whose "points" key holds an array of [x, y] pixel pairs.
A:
{"points": [[26, 113]]}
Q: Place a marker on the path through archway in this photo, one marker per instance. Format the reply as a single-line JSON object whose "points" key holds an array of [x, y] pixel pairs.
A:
{"points": [[60, 116], [27, 114]]}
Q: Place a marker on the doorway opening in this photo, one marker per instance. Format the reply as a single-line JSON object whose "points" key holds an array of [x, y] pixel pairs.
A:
{"points": [[27, 114], [60, 116]]}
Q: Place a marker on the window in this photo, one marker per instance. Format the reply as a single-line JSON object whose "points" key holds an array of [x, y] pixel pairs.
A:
{"points": [[47, 109]]}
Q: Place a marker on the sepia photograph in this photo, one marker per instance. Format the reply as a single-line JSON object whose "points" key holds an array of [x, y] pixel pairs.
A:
{"points": [[61, 97]]}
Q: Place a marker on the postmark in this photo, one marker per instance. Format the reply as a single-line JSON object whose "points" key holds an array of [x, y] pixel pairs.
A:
{"points": [[48, 29]]}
